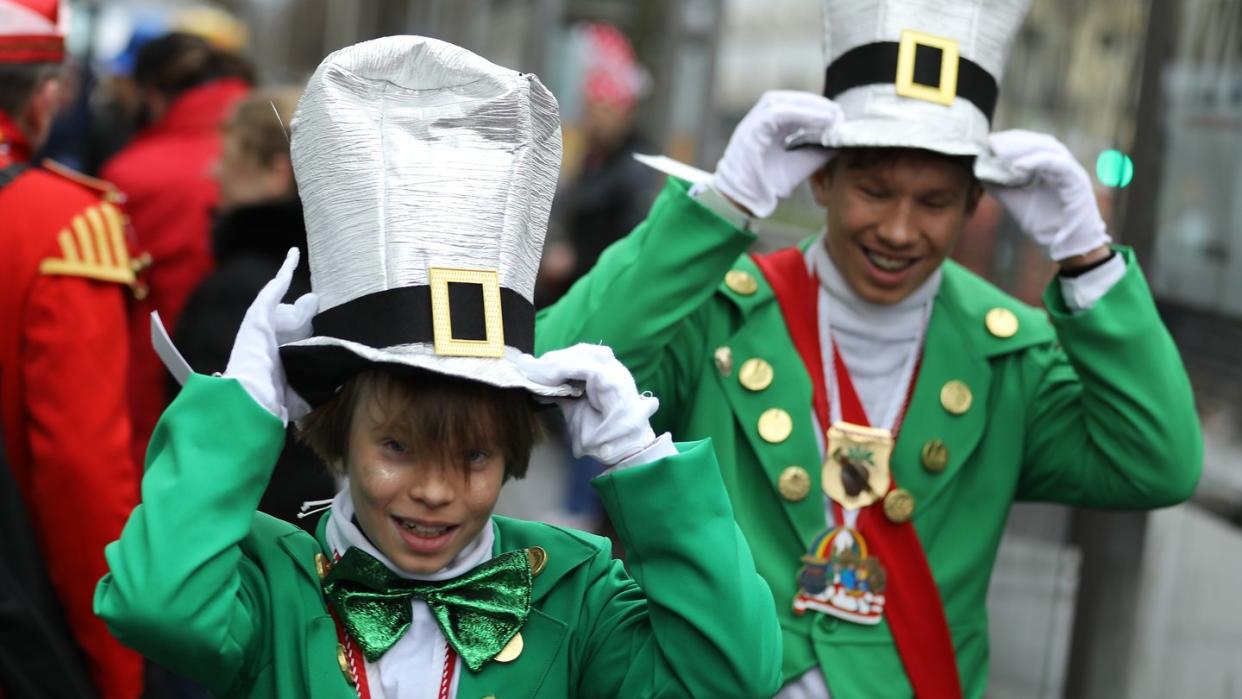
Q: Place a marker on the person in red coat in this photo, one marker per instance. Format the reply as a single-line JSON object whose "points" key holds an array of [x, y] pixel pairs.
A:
{"points": [[64, 346], [188, 88]]}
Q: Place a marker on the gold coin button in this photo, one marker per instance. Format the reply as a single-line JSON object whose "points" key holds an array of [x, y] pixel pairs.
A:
{"points": [[538, 559], [755, 375], [775, 425], [956, 398], [740, 282], [724, 360], [1002, 323], [898, 506], [342, 659], [512, 649], [935, 456], [322, 565], [794, 483]]}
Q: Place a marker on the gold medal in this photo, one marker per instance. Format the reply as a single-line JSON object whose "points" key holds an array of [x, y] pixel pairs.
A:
{"points": [[856, 472]]}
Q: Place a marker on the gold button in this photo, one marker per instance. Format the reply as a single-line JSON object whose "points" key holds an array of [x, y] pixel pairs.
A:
{"points": [[322, 565], [898, 505], [935, 456], [342, 659], [512, 649], [756, 374], [1002, 323], [794, 483], [956, 398], [724, 360], [538, 559], [741, 282], [775, 425]]}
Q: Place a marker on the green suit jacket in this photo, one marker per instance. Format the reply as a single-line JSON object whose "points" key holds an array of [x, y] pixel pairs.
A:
{"points": [[1092, 409], [204, 585]]}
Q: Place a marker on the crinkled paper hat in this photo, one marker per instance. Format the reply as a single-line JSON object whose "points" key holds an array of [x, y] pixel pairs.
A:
{"points": [[917, 73], [426, 175]]}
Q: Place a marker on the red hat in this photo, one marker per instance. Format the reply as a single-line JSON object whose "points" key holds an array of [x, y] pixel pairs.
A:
{"points": [[29, 32]]}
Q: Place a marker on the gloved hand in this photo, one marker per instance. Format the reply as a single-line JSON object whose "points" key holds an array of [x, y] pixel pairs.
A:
{"points": [[1057, 206], [757, 169], [610, 421], [255, 360]]}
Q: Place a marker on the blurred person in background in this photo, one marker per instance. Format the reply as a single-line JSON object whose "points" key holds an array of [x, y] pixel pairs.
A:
{"points": [[188, 87], [877, 409], [260, 218], [63, 360]]}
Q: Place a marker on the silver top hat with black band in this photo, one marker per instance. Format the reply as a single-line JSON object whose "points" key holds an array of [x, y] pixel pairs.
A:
{"points": [[917, 73], [426, 175]]}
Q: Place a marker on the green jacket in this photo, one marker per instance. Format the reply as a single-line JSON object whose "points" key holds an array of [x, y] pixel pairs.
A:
{"points": [[205, 586], [1092, 409]]}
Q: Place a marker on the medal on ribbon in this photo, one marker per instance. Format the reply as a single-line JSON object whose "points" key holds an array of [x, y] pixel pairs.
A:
{"points": [[856, 471]]}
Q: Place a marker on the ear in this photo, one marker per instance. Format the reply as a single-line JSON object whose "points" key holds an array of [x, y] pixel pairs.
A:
{"points": [[821, 183], [40, 111], [281, 169], [973, 197]]}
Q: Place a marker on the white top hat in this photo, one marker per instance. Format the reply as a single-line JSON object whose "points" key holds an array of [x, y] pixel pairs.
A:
{"points": [[426, 175], [917, 73]]}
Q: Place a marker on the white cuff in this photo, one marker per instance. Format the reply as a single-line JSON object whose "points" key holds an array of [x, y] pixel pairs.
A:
{"points": [[662, 448], [710, 197], [1082, 292]]}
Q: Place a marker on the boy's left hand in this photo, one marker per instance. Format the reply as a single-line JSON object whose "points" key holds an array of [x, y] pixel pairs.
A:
{"points": [[611, 420]]}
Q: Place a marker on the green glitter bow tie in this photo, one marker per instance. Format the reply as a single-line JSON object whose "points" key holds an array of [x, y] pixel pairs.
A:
{"points": [[478, 611]]}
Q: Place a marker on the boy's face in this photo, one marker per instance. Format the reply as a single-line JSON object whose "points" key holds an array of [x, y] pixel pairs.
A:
{"points": [[892, 223], [418, 511]]}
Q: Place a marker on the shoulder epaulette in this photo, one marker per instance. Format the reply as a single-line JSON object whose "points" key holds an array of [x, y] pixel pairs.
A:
{"points": [[107, 189], [93, 246]]}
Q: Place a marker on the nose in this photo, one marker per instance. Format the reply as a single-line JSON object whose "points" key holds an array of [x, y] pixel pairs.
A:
{"points": [[897, 229], [433, 486]]}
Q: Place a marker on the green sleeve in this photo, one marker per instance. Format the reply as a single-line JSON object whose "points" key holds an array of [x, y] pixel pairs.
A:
{"points": [[640, 298], [1113, 423], [696, 620], [178, 588]]}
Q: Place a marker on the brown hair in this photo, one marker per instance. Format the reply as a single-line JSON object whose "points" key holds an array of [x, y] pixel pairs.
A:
{"points": [[442, 415], [257, 131]]}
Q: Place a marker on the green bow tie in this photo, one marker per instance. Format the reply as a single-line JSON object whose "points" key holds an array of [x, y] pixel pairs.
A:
{"points": [[478, 612]]}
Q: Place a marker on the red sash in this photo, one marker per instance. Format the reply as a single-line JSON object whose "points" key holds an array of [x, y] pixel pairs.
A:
{"points": [[913, 607]]}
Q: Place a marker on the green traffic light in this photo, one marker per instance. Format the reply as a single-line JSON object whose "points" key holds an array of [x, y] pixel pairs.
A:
{"points": [[1114, 168]]}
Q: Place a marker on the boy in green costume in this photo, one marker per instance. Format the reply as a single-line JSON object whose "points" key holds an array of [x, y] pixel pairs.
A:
{"points": [[423, 395], [875, 407]]}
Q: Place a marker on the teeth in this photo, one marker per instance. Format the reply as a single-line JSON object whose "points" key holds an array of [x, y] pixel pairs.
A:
{"points": [[424, 531], [888, 264]]}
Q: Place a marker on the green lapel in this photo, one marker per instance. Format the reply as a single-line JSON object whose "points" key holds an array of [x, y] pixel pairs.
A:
{"points": [[762, 334]]}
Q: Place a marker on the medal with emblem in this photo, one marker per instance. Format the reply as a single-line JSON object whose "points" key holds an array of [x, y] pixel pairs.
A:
{"points": [[839, 578], [856, 472]]}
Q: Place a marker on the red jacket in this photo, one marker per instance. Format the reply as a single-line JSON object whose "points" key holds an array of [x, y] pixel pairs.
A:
{"points": [[165, 173], [63, 358]]}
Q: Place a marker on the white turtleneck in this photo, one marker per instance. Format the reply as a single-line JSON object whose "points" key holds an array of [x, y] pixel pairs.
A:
{"points": [[411, 669]]}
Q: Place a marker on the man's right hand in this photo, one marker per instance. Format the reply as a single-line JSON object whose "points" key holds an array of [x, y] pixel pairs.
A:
{"points": [[757, 169]]}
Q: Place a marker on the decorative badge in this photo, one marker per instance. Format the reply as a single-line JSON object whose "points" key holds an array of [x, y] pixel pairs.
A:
{"points": [[856, 472], [840, 579]]}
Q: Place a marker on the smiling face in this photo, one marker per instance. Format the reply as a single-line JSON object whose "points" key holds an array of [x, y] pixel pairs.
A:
{"points": [[893, 217], [425, 457]]}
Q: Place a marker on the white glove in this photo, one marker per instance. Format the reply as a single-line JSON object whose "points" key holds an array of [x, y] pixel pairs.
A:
{"points": [[610, 421], [1057, 206], [757, 169], [255, 360]]}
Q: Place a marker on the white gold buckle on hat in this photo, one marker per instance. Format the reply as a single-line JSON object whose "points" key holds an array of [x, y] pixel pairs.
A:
{"points": [[946, 91], [493, 345]]}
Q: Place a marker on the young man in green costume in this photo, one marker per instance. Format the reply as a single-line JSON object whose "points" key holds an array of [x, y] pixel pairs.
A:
{"points": [[875, 407], [423, 388]]}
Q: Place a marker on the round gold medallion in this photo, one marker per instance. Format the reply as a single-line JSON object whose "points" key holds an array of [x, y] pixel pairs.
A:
{"points": [[1002, 323], [740, 282], [956, 398], [755, 375], [512, 649], [538, 559], [899, 506], [322, 566], [724, 360], [342, 659], [794, 483], [935, 456], [775, 425]]}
